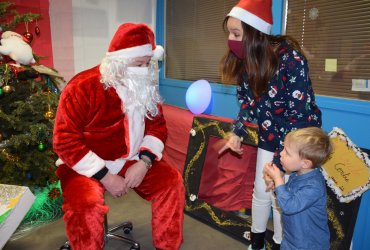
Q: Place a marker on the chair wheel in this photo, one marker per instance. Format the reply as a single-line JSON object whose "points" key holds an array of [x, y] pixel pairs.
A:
{"points": [[66, 246], [127, 230], [135, 248]]}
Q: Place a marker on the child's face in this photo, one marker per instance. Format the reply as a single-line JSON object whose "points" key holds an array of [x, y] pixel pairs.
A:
{"points": [[290, 159], [235, 29]]}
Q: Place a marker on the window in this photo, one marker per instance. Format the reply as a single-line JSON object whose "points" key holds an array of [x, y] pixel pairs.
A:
{"points": [[335, 36], [195, 41]]}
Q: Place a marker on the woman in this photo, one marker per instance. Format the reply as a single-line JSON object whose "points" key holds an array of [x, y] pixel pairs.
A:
{"points": [[274, 91]]}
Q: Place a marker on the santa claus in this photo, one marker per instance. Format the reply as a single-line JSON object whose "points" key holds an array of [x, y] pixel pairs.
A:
{"points": [[109, 135]]}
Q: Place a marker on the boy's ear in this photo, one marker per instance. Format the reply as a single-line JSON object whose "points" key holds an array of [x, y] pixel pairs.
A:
{"points": [[306, 164]]}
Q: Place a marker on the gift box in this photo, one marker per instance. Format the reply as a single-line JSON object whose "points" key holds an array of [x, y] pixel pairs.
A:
{"points": [[15, 201]]}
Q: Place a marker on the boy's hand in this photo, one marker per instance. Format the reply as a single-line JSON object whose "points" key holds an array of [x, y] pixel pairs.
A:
{"points": [[273, 172]]}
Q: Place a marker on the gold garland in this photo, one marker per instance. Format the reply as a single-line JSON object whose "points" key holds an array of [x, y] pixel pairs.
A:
{"points": [[9, 156]]}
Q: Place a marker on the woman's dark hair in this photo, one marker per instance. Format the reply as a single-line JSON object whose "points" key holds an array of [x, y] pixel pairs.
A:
{"points": [[261, 59]]}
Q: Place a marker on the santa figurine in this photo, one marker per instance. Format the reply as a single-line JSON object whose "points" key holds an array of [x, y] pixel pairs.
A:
{"points": [[13, 45], [109, 135]]}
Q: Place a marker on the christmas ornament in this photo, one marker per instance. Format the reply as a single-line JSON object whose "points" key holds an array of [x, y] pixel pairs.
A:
{"points": [[27, 37], [41, 147], [1, 137], [1, 92], [7, 89], [29, 175], [37, 29], [49, 115]]}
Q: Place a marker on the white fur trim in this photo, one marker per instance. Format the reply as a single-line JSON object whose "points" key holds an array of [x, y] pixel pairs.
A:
{"points": [[138, 51], [154, 145], [89, 165], [251, 19], [158, 53]]}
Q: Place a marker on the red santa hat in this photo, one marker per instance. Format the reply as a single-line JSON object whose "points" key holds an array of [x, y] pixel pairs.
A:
{"points": [[256, 13], [134, 40]]}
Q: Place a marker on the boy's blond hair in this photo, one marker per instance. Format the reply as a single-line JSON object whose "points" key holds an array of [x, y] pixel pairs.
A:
{"points": [[311, 143]]}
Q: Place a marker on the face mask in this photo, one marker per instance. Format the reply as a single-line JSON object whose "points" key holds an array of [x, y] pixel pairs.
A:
{"points": [[237, 48], [138, 70]]}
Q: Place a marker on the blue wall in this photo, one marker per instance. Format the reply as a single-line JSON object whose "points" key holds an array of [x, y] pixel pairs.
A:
{"points": [[352, 116]]}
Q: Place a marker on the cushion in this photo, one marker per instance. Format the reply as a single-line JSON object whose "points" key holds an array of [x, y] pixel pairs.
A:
{"points": [[347, 172]]}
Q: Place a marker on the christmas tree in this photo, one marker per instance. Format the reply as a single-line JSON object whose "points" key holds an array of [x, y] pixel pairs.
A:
{"points": [[28, 100]]}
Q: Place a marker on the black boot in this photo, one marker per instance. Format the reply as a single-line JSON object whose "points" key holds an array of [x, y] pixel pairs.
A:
{"points": [[257, 240], [275, 246]]}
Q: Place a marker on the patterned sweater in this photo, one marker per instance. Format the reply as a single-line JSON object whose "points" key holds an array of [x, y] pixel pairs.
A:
{"points": [[288, 103]]}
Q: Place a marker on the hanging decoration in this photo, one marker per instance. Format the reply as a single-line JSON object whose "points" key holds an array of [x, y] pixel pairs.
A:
{"points": [[27, 36], [37, 29], [6, 89], [49, 115]]}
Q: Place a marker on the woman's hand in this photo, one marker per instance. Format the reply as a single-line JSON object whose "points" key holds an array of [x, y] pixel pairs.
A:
{"points": [[268, 180], [232, 142]]}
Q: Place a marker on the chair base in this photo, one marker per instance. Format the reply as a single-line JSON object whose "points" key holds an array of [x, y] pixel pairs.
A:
{"points": [[109, 234], [127, 228]]}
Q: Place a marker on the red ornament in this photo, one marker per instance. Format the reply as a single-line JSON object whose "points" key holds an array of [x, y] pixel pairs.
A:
{"points": [[27, 37], [37, 31]]}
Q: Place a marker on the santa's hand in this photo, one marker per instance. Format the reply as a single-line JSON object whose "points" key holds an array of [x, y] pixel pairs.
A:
{"points": [[135, 174], [233, 142], [116, 185]]}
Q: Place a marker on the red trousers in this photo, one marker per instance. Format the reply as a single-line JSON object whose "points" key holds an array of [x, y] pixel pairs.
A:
{"points": [[84, 206]]}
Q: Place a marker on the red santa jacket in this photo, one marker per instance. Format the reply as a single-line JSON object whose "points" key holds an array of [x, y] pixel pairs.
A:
{"points": [[92, 130]]}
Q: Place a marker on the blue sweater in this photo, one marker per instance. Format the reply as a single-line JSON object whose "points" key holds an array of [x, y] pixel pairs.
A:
{"points": [[303, 203], [288, 104]]}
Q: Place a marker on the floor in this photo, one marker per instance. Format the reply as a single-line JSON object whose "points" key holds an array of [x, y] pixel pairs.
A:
{"points": [[197, 236]]}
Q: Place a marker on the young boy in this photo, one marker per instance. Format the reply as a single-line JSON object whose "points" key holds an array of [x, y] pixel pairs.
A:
{"points": [[303, 198]]}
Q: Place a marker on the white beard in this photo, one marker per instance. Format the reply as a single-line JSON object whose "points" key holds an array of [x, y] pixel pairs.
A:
{"points": [[137, 89]]}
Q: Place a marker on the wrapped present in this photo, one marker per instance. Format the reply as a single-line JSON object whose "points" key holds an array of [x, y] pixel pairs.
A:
{"points": [[15, 201]]}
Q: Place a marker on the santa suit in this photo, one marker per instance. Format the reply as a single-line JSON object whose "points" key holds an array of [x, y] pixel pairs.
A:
{"points": [[92, 130]]}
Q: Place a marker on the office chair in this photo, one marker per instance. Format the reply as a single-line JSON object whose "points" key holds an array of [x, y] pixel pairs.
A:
{"points": [[109, 234]]}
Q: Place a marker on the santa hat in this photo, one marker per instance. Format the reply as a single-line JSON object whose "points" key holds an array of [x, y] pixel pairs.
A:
{"points": [[256, 13], [134, 40]]}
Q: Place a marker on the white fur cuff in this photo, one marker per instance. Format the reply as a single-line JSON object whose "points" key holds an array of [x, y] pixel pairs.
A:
{"points": [[89, 165], [154, 145]]}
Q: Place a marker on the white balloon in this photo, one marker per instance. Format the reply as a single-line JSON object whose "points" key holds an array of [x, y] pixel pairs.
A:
{"points": [[198, 96]]}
